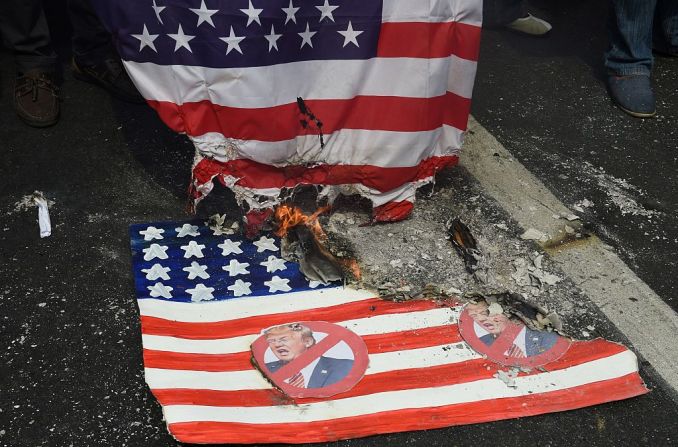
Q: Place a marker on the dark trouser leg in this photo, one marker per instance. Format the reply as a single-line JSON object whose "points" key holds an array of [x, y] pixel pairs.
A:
{"points": [[24, 28], [630, 33], [502, 12], [666, 26], [91, 42]]}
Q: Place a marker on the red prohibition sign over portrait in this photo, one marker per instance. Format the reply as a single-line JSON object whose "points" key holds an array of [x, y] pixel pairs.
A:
{"points": [[311, 358], [508, 342]]}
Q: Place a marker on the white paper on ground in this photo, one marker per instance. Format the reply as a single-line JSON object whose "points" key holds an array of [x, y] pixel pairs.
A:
{"points": [[43, 217]]}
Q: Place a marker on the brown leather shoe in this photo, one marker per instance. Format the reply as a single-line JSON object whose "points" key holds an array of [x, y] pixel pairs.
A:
{"points": [[36, 99]]}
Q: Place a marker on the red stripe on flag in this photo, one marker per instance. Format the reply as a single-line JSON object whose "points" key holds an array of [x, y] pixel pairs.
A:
{"points": [[253, 325], [240, 361], [279, 123], [259, 176], [450, 374], [412, 419], [429, 40]]}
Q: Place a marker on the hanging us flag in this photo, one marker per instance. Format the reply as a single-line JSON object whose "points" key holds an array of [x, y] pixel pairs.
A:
{"points": [[206, 298], [359, 96]]}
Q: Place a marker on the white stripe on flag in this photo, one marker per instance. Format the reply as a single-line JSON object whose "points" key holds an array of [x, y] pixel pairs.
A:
{"points": [[345, 146], [236, 308], [380, 324], [464, 11], [252, 379], [251, 87], [595, 371]]}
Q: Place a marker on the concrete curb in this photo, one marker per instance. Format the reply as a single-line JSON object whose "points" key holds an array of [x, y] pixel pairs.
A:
{"points": [[639, 313]]}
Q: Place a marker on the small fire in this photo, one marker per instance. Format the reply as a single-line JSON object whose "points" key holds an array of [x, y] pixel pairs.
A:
{"points": [[291, 216], [351, 265]]}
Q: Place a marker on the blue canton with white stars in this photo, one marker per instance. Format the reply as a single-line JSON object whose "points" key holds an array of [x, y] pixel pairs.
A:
{"points": [[191, 262], [243, 33]]}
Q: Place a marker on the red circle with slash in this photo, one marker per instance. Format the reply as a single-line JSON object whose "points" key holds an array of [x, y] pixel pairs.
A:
{"points": [[335, 334], [502, 345]]}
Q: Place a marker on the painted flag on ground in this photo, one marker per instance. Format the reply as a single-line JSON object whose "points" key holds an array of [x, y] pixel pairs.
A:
{"points": [[205, 296], [360, 96]]}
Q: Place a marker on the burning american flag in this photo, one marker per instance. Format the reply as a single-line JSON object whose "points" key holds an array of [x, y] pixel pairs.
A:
{"points": [[366, 97], [206, 296]]}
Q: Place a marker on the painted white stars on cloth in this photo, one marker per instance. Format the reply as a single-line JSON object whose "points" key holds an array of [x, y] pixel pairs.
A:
{"points": [[235, 268], [272, 39], [233, 42], [274, 264], [204, 14], [265, 243], [240, 288], [313, 284], [155, 251], [350, 35], [201, 293], [160, 290], [156, 271], [146, 39], [229, 247], [252, 14], [326, 11], [278, 284], [291, 12], [187, 230], [306, 37], [181, 41], [158, 10], [151, 233], [196, 270], [193, 249]]}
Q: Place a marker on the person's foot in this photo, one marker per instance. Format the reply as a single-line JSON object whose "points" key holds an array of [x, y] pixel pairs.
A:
{"points": [[633, 94], [36, 98], [531, 25], [110, 75]]}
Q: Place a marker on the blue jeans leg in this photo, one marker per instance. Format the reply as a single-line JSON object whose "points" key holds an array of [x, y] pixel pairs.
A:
{"points": [[502, 12], [666, 26], [630, 34]]}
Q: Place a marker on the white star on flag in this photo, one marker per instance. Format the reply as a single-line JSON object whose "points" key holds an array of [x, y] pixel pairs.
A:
{"points": [[291, 13], [272, 39], [158, 10], [264, 243], [151, 233], [233, 42], [196, 270], [306, 37], [159, 289], [204, 14], [252, 14], [201, 293], [273, 264], [181, 41], [278, 284], [228, 247], [193, 249], [146, 39], [350, 35], [235, 268], [156, 271], [313, 284], [187, 229], [326, 11], [155, 251], [240, 288]]}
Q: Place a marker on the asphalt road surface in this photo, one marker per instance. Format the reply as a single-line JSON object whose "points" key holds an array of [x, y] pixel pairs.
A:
{"points": [[72, 369]]}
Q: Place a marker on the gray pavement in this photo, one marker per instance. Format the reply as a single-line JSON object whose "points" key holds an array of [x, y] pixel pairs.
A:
{"points": [[72, 371]]}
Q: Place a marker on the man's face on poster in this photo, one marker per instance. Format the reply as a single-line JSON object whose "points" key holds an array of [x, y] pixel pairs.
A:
{"points": [[287, 344], [494, 324]]}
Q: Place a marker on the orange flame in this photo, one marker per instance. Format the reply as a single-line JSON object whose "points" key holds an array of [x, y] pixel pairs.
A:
{"points": [[291, 216], [352, 266]]}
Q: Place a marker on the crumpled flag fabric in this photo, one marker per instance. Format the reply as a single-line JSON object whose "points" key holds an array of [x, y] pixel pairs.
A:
{"points": [[366, 97]]}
